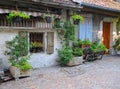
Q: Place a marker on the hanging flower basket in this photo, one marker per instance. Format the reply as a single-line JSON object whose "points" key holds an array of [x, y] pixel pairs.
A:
{"points": [[16, 16], [76, 22], [77, 18], [48, 19], [17, 19]]}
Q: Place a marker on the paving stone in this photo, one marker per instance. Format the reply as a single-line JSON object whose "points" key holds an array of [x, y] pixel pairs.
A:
{"points": [[99, 74]]}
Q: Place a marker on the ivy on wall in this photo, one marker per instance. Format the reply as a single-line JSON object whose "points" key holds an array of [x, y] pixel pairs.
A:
{"points": [[66, 33], [118, 25]]}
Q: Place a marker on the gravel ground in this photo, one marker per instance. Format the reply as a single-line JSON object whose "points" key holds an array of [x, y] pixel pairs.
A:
{"points": [[99, 74]]}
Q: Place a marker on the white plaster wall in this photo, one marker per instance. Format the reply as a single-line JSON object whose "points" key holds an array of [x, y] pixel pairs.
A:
{"points": [[5, 36], [44, 59], [37, 59]]}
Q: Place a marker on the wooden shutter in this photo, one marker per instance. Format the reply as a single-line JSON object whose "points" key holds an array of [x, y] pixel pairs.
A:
{"points": [[50, 42], [24, 36]]}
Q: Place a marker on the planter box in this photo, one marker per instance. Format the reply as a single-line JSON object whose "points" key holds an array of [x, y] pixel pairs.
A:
{"points": [[16, 72], [76, 22], [118, 52], [76, 61], [85, 45]]}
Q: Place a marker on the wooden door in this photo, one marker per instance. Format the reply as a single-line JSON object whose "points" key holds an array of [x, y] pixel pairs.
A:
{"points": [[106, 34]]}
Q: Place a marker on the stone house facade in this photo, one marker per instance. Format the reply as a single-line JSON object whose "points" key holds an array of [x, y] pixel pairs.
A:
{"points": [[97, 17]]}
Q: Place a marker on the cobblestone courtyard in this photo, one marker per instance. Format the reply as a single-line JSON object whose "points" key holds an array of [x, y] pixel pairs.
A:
{"points": [[100, 74]]}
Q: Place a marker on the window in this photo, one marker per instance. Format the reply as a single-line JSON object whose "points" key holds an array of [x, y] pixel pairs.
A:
{"points": [[36, 42], [41, 42]]}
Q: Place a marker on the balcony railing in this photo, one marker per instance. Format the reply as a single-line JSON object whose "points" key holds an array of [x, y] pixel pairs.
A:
{"points": [[31, 23]]}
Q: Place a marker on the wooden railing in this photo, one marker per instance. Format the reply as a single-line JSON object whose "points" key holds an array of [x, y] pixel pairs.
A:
{"points": [[32, 23]]}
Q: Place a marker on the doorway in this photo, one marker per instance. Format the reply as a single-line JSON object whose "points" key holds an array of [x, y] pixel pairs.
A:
{"points": [[106, 34]]}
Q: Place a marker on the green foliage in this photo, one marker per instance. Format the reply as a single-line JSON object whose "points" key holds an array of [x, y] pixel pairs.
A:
{"points": [[58, 24], [15, 63], [118, 25], [77, 51], [80, 41], [76, 43], [47, 15], [86, 42], [24, 65], [78, 17], [16, 49], [36, 44], [102, 47], [65, 55], [96, 47], [69, 32], [117, 44], [14, 14], [66, 32]]}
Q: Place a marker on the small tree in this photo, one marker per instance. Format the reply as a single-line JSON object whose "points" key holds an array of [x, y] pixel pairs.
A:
{"points": [[18, 47]]}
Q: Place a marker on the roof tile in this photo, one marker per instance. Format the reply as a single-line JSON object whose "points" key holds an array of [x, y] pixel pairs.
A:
{"points": [[104, 3]]}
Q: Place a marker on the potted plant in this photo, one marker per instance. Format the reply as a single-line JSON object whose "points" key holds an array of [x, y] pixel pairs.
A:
{"points": [[21, 69], [96, 47], [77, 18], [34, 46], [78, 57], [85, 43], [65, 54], [48, 18], [16, 16], [116, 46], [18, 56]]}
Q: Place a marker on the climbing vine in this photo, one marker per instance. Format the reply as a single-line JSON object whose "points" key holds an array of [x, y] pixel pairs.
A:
{"points": [[66, 32], [118, 25]]}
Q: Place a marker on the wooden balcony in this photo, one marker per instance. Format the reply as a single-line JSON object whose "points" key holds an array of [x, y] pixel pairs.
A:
{"points": [[33, 23]]}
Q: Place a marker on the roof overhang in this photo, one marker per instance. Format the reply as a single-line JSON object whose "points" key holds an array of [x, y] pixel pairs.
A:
{"points": [[92, 8], [72, 6]]}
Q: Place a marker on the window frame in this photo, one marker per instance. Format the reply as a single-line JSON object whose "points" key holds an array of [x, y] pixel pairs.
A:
{"points": [[43, 39]]}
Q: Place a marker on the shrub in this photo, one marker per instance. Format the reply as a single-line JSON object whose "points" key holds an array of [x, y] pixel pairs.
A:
{"points": [[18, 52], [77, 51], [117, 44], [65, 55]]}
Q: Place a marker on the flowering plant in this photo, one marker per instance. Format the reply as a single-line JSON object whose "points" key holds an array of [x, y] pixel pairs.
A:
{"points": [[14, 14], [37, 44]]}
